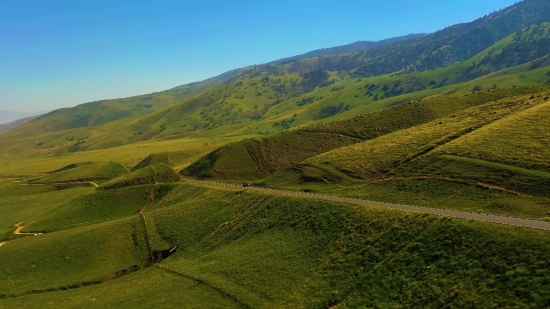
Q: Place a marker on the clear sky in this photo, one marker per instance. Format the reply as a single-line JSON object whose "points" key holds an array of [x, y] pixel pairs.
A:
{"points": [[60, 53]]}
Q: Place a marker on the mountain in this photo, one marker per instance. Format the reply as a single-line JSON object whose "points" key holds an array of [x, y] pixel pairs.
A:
{"points": [[6, 127], [263, 99], [10, 116], [353, 47], [265, 105], [191, 89], [258, 105], [442, 48]]}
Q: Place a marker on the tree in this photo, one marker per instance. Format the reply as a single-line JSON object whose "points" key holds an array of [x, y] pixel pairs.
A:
{"points": [[477, 88]]}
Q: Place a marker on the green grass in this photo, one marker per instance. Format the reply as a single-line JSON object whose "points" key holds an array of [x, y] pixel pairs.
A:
{"points": [[258, 158], [521, 140], [84, 172], [274, 251], [93, 207], [21, 203], [153, 174], [71, 257], [151, 287], [390, 151]]}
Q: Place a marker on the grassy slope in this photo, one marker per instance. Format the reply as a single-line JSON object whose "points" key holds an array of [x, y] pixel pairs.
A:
{"points": [[175, 159], [148, 175], [387, 152], [85, 172], [92, 207], [258, 158], [73, 129], [71, 257], [20, 203], [256, 105], [272, 251], [253, 159], [522, 140], [137, 290]]}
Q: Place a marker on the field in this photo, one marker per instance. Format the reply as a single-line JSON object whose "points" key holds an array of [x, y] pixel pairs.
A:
{"points": [[105, 204], [262, 250]]}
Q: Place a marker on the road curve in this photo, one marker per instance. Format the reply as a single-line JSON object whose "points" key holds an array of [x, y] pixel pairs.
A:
{"points": [[513, 221]]}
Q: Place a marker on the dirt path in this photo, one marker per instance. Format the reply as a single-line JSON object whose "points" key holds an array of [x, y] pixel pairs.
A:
{"points": [[19, 227], [2, 243], [527, 223]]}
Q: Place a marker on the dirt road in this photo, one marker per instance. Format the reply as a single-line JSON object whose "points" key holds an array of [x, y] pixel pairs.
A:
{"points": [[527, 223]]}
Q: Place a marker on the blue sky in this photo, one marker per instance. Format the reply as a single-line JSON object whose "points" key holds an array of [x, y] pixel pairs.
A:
{"points": [[62, 53]]}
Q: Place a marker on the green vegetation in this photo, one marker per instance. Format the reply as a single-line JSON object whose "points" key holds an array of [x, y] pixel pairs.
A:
{"points": [[255, 159], [85, 208], [151, 287], [254, 250], [153, 174], [72, 257], [83, 172], [457, 119]]}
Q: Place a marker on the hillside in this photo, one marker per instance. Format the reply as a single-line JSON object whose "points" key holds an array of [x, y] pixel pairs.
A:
{"points": [[246, 249], [445, 47], [248, 103], [259, 158], [154, 174], [6, 127], [83, 172], [353, 47]]}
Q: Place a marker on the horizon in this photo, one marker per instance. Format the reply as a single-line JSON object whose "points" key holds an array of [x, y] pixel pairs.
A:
{"points": [[146, 52]]}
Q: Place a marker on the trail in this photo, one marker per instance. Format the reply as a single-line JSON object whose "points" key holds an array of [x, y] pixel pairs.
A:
{"points": [[19, 227], [2, 243], [513, 221], [201, 281]]}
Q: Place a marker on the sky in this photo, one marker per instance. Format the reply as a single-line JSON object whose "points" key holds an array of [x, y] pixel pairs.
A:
{"points": [[60, 53]]}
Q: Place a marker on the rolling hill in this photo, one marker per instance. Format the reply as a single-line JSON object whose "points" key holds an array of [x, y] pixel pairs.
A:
{"points": [[265, 105]]}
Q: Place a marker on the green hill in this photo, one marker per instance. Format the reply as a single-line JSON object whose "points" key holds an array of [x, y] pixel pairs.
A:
{"points": [[252, 104], [379, 156], [153, 174], [83, 172], [246, 249], [259, 158], [173, 159]]}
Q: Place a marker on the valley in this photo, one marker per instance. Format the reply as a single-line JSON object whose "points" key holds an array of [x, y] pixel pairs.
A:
{"points": [[412, 172]]}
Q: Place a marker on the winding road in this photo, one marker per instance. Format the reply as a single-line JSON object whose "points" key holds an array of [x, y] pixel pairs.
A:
{"points": [[513, 221]]}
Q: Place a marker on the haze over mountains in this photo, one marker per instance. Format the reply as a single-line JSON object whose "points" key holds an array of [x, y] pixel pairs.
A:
{"points": [[10, 116]]}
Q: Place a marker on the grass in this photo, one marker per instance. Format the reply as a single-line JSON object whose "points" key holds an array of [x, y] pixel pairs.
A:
{"points": [[21, 203], [153, 174], [93, 207], [72, 257], [274, 251], [174, 159], [520, 140], [390, 151], [262, 250], [250, 106], [137, 290], [84, 172], [258, 158]]}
